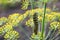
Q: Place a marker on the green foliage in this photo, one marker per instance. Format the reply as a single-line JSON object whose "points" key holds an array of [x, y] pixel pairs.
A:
{"points": [[9, 3], [44, 1]]}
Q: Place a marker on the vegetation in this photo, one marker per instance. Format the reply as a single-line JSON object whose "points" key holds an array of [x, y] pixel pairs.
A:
{"points": [[39, 17]]}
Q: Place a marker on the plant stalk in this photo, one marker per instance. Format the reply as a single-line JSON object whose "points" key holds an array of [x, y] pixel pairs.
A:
{"points": [[43, 21]]}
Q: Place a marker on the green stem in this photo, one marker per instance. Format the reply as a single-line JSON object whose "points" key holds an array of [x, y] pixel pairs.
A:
{"points": [[43, 21]]}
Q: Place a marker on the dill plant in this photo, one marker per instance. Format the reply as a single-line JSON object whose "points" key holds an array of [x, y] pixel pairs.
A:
{"points": [[36, 16]]}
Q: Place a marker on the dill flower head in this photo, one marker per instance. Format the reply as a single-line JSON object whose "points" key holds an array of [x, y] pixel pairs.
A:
{"points": [[36, 37], [13, 23], [7, 28], [30, 23], [13, 16], [56, 15], [38, 10], [11, 35], [20, 18], [16, 18], [32, 12], [1, 31], [40, 18], [48, 10], [50, 17], [25, 14], [54, 25], [13, 19], [3, 20], [25, 4]]}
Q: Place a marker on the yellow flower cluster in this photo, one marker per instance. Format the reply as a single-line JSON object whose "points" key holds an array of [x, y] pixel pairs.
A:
{"points": [[1, 31], [38, 10], [57, 16], [40, 18], [11, 35], [49, 17], [25, 4], [3, 20], [12, 21], [36, 37], [5, 29], [15, 18], [30, 23], [55, 25]]}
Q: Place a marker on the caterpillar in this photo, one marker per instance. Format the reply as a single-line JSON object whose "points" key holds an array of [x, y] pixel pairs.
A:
{"points": [[35, 20]]}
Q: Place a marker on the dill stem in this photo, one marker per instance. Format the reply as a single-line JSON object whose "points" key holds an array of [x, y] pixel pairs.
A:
{"points": [[43, 21]]}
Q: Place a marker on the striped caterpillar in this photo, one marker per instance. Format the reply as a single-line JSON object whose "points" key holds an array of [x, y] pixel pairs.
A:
{"points": [[35, 19]]}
